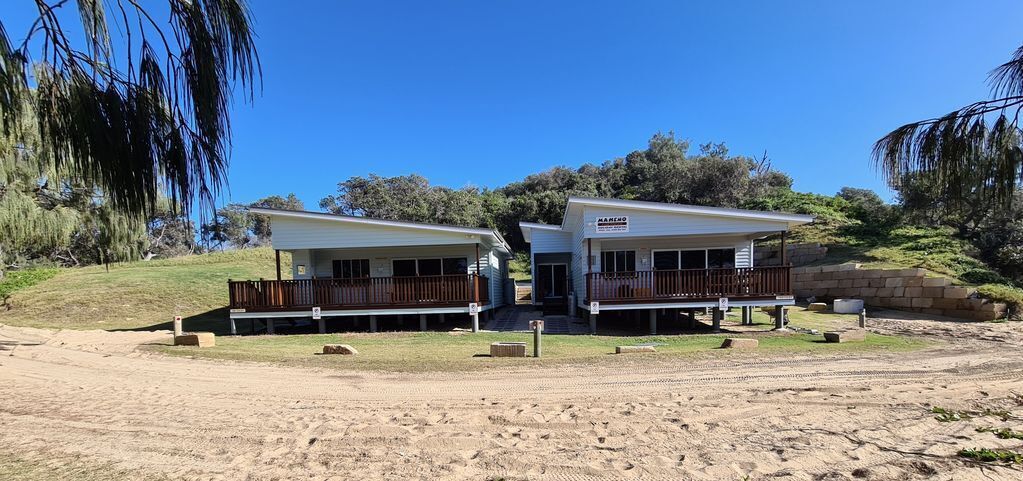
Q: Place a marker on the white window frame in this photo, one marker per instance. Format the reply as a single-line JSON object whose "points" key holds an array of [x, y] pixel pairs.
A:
{"points": [[635, 259]]}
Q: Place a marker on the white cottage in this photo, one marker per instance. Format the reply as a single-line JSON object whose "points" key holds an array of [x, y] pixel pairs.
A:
{"points": [[346, 266], [626, 255]]}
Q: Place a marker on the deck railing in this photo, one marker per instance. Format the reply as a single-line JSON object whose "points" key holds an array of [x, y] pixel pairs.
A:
{"points": [[334, 293], [688, 284]]}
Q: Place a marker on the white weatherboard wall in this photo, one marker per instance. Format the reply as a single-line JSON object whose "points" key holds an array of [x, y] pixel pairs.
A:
{"points": [[545, 241], [662, 224], [291, 233]]}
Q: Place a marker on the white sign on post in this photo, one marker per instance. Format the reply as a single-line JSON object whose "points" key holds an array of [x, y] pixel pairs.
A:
{"points": [[614, 223], [537, 324], [723, 303], [316, 313], [594, 307], [474, 308]]}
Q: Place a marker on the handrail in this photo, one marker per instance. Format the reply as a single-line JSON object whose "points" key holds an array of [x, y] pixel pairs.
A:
{"points": [[357, 292], [662, 285]]}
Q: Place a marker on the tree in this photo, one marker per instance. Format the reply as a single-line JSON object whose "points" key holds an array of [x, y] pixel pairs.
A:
{"points": [[975, 148], [235, 226], [133, 119], [260, 224]]}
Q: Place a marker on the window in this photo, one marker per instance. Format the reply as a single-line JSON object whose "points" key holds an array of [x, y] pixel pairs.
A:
{"points": [[351, 268], [430, 267], [456, 265], [618, 261], [694, 259], [720, 258]]}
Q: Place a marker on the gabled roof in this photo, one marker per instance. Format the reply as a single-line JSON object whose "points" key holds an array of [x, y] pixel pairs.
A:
{"points": [[493, 235], [791, 219]]}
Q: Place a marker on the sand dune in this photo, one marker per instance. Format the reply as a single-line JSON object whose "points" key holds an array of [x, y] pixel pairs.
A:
{"points": [[90, 397]]}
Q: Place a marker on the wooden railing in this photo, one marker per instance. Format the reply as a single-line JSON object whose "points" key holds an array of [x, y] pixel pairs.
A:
{"points": [[688, 284], [270, 295]]}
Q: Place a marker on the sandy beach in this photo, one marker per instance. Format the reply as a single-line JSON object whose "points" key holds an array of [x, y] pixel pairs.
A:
{"points": [[92, 399]]}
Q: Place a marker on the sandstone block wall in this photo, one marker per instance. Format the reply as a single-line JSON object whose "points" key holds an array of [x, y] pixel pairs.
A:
{"points": [[903, 289], [798, 254]]}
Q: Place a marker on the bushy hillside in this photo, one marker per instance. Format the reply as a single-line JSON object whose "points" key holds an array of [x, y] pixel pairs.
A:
{"points": [[139, 295]]}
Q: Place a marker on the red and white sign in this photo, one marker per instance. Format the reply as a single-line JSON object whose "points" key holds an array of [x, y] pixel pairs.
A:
{"points": [[534, 325]]}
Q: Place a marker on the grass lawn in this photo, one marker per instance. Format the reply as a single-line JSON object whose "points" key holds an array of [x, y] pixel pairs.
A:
{"points": [[140, 295], [442, 351]]}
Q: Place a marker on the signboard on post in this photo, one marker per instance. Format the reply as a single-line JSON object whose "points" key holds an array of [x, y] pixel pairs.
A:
{"points": [[534, 325], [594, 307], [723, 303], [614, 223], [474, 308], [316, 313]]}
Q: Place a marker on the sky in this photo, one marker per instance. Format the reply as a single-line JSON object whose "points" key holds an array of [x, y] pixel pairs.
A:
{"points": [[485, 93]]}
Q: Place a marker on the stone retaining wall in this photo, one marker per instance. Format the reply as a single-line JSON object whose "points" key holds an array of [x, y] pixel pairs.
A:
{"points": [[903, 289], [798, 254]]}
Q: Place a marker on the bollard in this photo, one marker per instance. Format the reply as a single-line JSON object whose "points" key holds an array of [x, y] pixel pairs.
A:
{"points": [[177, 326], [537, 328], [863, 318]]}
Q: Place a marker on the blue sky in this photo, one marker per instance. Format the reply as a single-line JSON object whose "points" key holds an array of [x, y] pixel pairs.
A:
{"points": [[484, 93]]}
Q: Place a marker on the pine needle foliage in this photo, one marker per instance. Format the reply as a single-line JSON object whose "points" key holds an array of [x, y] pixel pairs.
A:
{"points": [[141, 120]]}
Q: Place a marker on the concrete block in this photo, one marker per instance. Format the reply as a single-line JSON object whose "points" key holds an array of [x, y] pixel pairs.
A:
{"points": [[879, 282], [200, 339], [932, 292], [894, 282], [508, 349], [913, 281], [831, 268], [993, 307], [848, 267], [868, 292], [632, 349], [986, 316], [848, 335], [957, 292], [343, 349], [884, 291], [857, 274], [845, 283], [740, 343], [809, 269], [942, 303], [872, 274], [914, 292], [817, 306], [913, 272], [861, 283], [900, 302], [936, 281], [828, 284], [921, 302], [898, 292], [886, 273]]}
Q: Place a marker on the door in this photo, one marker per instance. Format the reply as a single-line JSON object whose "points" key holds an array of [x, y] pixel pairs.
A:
{"points": [[666, 273], [552, 282]]}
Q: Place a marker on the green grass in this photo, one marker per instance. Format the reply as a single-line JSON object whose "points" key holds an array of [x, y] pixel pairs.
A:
{"points": [[1002, 433], [140, 295], [19, 468], [432, 351], [16, 280], [519, 268]]}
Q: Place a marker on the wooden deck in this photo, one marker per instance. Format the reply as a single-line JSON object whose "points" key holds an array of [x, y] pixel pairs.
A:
{"points": [[688, 285], [360, 293]]}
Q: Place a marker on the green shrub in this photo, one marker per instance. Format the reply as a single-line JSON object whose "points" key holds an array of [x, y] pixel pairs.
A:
{"points": [[15, 280], [992, 455], [1013, 296]]}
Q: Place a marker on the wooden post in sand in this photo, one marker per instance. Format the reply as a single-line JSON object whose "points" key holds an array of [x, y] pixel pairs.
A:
{"points": [[177, 326], [863, 318]]}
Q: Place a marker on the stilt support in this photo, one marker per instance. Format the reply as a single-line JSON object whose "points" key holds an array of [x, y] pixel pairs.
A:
{"points": [[270, 326], [716, 316], [323, 325], [422, 322], [372, 323], [234, 327], [779, 318], [475, 322], [593, 323], [653, 322]]}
